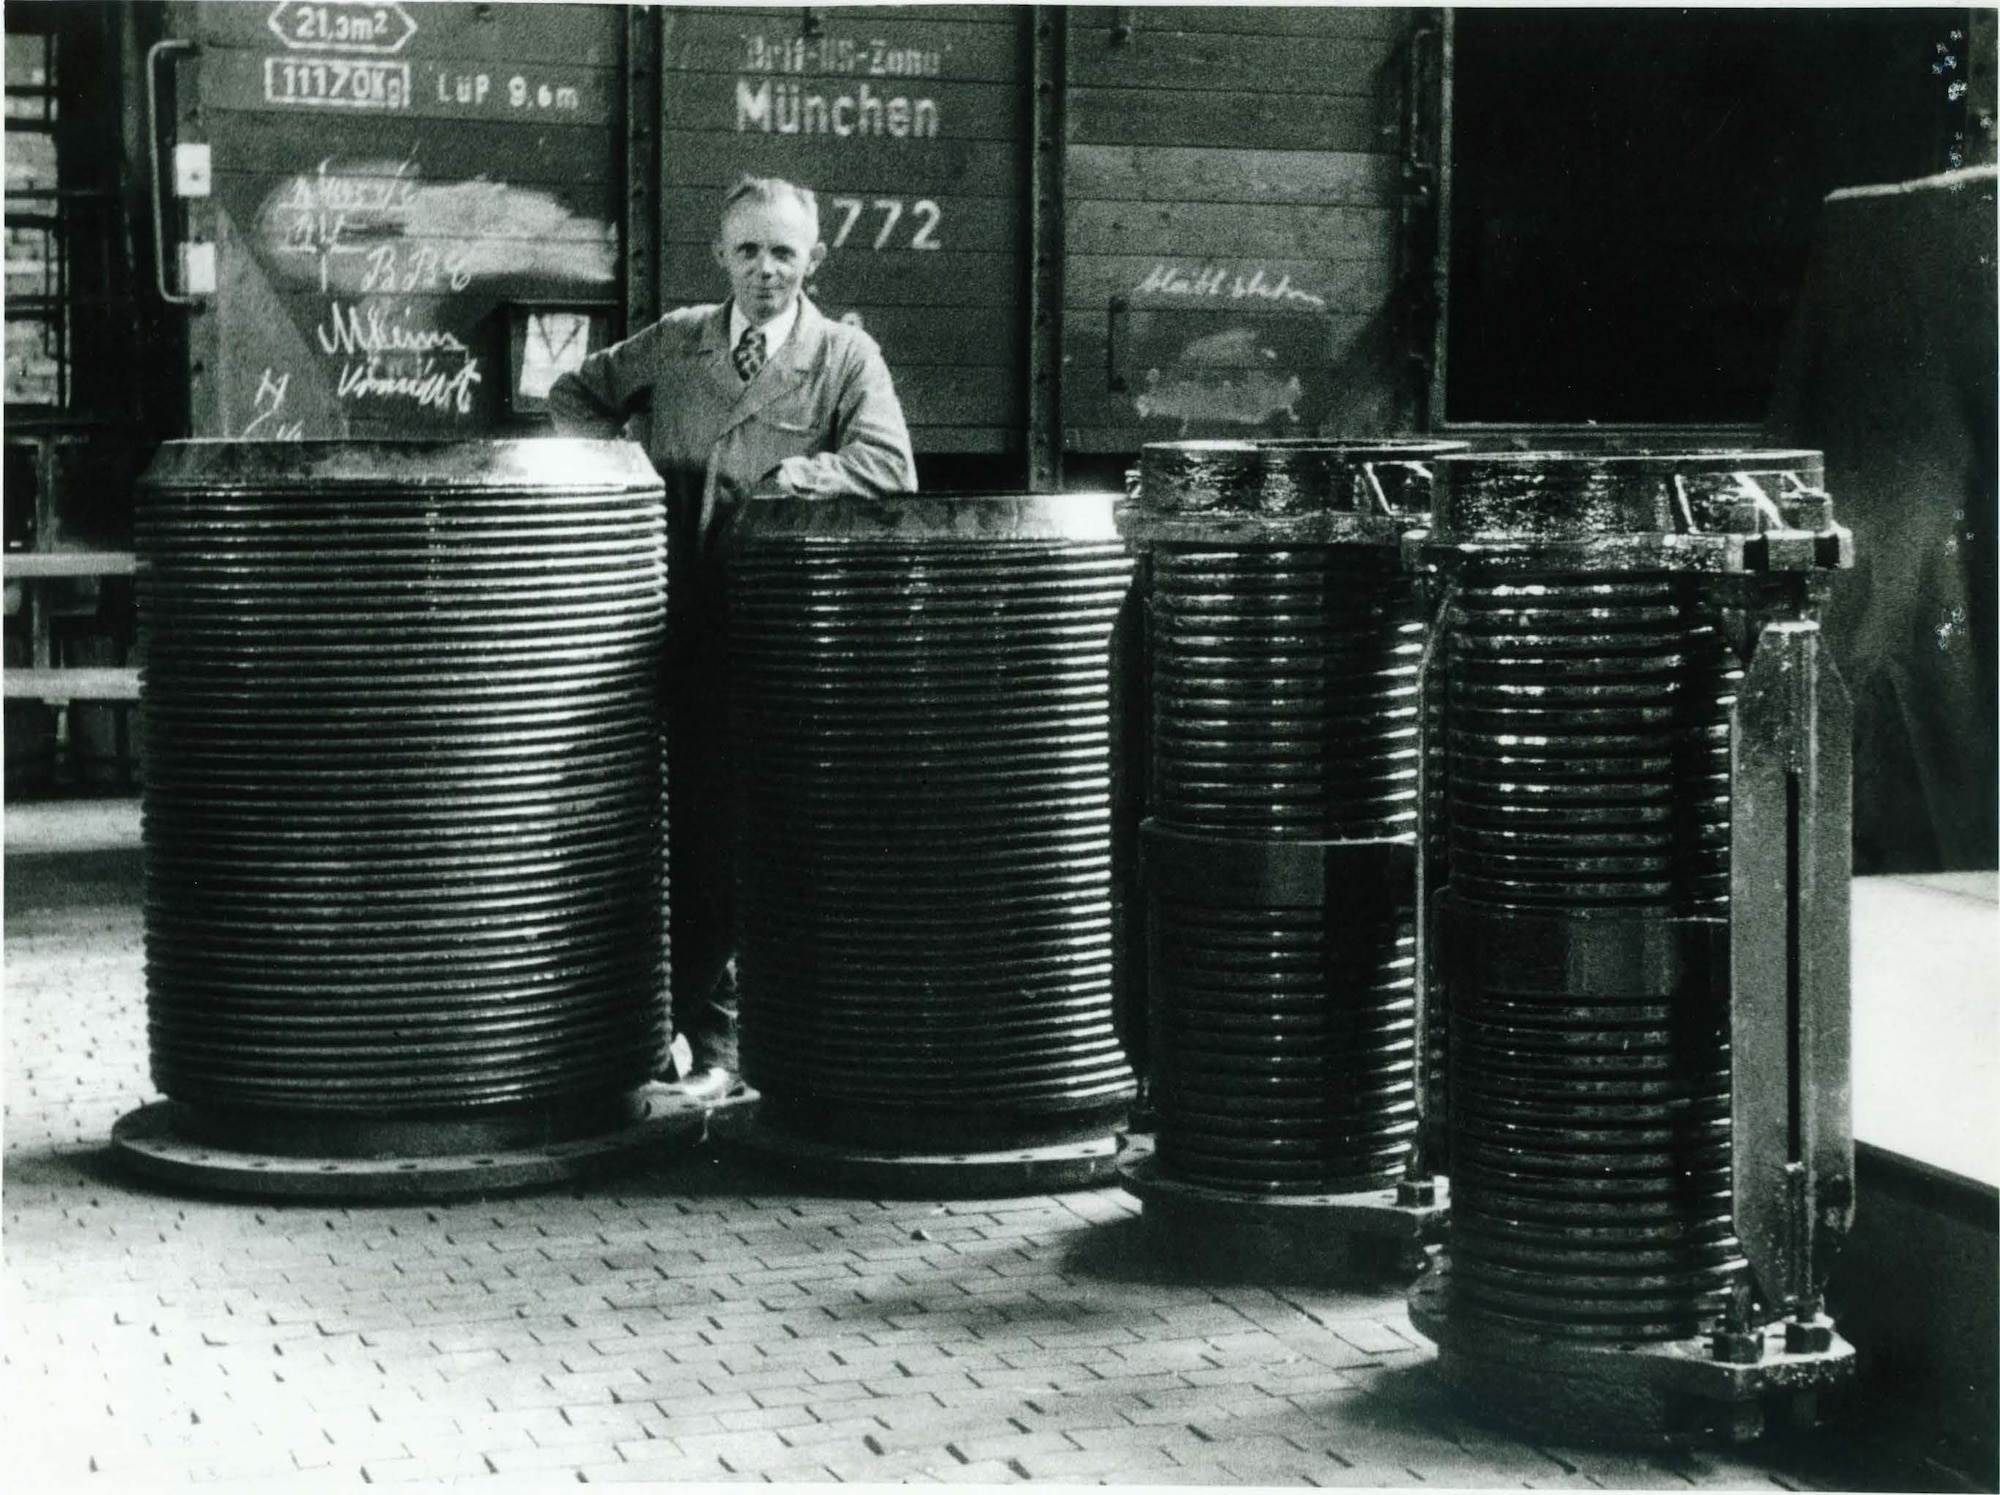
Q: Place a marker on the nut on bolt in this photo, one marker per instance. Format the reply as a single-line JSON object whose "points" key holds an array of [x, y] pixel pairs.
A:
{"points": [[1732, 1347]]}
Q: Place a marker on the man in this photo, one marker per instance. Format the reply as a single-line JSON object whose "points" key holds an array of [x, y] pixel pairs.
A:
{"points": [[758, 394]]}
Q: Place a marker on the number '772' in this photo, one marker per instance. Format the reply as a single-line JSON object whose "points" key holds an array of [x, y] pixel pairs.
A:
{"points": [[923, 213]]}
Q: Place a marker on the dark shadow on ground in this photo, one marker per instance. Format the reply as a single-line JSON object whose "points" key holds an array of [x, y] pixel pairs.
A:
{"points": [[1854, 1450], [1123, 1251], [60, 1167], [711, 1169], [71, 881], [1832, 1457], [1131, 1250]]}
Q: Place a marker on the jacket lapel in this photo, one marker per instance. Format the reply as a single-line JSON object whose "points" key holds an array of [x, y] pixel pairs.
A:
{"points": [[720, 371], [784, 372]]}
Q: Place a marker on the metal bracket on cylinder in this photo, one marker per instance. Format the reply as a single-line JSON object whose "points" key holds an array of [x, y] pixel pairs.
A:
{"points": [[1790, 862], [1384, 507]]}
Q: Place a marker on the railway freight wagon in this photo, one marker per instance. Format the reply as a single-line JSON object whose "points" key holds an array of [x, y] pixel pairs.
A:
{"points": [[1071, 230]]}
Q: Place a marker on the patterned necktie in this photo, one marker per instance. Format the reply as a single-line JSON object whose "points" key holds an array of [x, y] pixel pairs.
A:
{"points": [[749, 354]]}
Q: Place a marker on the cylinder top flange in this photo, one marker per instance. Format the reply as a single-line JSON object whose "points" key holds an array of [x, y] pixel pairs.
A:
{"points": [[1704, 511], [1284, 492]]}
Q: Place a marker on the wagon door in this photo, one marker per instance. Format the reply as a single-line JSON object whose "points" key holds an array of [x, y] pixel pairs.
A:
{"points": [[410, 223], [1233, 223]]}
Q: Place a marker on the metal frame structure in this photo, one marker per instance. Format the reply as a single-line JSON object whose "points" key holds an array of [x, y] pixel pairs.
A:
{"points": [[1754, 533]]}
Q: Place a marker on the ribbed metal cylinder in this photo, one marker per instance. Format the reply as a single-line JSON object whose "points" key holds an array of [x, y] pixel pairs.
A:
{"points": [[1286, 691], [402, 807], [921, 729], [1588, 689], [1588, 754], [1285, 648]]}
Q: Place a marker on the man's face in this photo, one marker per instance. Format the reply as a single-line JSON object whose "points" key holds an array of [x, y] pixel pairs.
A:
{"points": [[767, 249]]}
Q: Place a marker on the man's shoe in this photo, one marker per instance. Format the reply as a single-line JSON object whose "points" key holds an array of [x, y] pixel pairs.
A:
{"points": [[703, 1091], [714, 1048]]}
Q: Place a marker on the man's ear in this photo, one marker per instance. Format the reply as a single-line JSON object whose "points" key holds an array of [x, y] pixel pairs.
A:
{"points": [[816, 257], [721, 256]]}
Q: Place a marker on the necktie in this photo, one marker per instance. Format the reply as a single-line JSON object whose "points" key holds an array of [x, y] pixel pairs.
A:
{"points": [[749, 354]]}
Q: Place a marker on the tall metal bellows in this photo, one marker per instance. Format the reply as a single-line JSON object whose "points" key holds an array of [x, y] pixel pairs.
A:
{"points": [[1587, 759], [402, 808], [1643, 787], [921, 729], [1285, 643]]}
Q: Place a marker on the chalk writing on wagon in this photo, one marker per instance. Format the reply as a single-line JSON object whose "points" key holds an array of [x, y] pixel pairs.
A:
{"points": [[361, 228], [1252, 284], [269, 402], [389, 356]]}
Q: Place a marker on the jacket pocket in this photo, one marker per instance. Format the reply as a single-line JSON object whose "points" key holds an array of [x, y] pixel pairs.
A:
{"points": [[798, 426], [791, 417]]}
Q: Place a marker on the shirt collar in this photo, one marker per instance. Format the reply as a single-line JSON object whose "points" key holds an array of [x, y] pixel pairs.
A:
{"points": [[775, 331]]}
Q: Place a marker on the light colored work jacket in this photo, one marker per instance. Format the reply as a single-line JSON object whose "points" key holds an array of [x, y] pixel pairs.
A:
{"points": [[825, 394]]}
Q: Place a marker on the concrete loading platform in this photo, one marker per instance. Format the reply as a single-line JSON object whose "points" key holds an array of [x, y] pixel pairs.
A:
{"points": [[697, 1321]]}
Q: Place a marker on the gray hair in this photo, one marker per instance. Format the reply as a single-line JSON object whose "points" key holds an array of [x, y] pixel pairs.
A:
{"points": [[769, 189]]}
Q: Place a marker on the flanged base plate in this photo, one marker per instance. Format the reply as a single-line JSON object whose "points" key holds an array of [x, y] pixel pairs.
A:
{"points": [[1658, 1395], [1303, 1240], [155, 1143], [1087, 1163]]}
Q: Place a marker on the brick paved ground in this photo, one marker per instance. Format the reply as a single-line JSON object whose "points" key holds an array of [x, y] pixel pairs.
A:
{"points": [[691, 1322]]}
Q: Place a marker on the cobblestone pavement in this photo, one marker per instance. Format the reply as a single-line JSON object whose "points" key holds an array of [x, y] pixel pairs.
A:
{"points": [[696, 1321]]}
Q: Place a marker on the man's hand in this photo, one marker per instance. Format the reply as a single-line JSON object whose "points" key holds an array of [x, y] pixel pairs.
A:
{"points": [[798, 475]]}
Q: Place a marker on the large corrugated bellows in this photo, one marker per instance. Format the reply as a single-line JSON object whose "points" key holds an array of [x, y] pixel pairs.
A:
{"points": [[1612, 628], [1280, 855], [402, 815], [921, 730]]}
